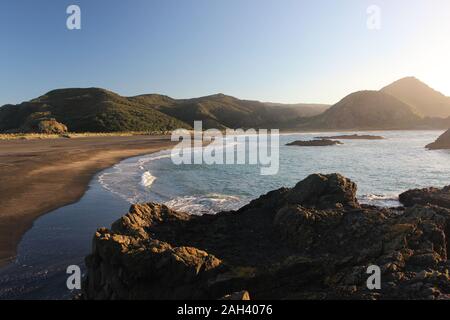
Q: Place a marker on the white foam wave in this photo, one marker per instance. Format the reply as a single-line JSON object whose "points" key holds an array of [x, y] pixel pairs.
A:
{"points": [[383, 200], [147, 179], [207, 204]]}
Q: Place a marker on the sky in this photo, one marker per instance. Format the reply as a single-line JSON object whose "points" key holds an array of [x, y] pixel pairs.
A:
{"points": [[289, 51]]}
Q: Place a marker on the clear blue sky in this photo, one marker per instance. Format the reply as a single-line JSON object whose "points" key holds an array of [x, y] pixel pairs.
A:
{"points": [[270, 50]]}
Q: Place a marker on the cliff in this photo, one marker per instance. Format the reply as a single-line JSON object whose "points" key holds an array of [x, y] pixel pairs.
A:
{"points": [[313, 241]]}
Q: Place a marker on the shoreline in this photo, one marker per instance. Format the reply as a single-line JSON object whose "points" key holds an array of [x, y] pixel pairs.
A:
{"points": [[39, 176], [31, 170]]}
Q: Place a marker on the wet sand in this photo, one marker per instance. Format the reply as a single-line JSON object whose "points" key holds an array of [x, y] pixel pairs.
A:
{"points": [[39, 176]]}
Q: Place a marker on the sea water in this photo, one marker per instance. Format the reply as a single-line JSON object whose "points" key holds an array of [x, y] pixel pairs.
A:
{"points": [[381, 168]]}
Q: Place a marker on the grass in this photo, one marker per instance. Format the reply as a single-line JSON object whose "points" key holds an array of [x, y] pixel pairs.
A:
{"points": [[34, 136]]}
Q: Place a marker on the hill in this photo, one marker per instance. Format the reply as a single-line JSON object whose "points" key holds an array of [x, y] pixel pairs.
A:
{"points": [[365, 110], [301, 109], [405, 104], [87, 110], [222, 111], [424, 100], [99, 110]]}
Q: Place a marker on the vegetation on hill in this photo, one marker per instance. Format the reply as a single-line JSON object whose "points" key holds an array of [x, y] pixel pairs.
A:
{"points": [[302, 109], [88, 110], [405, 104], [222, 111], [99, 110]]}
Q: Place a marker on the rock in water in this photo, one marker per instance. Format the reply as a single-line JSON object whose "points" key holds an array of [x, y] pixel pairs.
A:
{"points": [[314, 143], [314, 241], [443, 142], [354, 137]]}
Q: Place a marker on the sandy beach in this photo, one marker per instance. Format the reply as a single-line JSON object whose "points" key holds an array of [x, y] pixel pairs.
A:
{"points": [[38, 176]]}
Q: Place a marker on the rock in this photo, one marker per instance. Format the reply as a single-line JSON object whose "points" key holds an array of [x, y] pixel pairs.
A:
{"points": [[313, 241], [353, 137], [42, 122], [433, 196], [51, 126], [443, 142], [324, 191], [314, 143]]}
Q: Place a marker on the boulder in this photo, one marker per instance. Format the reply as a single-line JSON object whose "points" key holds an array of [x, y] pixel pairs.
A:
{"points": [[324, 191], [42, 122], [51, 126]]}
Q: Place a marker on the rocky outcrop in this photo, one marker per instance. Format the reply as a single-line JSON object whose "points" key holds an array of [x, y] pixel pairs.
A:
{"points": [[443, 142], [427, 196], [313, 241], [51, 126], [354, 137], [314, 143], [42, 122]]}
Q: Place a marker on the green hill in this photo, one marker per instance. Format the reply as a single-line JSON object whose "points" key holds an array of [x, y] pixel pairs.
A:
{"points": [[222, 111], [99, 110], [88, 110]]}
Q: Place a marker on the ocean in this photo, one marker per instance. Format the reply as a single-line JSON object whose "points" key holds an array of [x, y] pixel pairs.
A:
{"points": [[381, 168]]}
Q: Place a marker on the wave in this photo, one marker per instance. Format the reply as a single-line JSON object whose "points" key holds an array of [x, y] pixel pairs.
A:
{"points": [[133, 179], [383, 200], [206, 204], [147, 179]]}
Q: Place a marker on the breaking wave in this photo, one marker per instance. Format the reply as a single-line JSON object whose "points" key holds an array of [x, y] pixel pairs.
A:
{"points": [[207, 204], [380, 200]]}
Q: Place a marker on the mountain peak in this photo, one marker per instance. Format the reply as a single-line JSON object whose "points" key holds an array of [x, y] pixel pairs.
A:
{"points": [[366, 110], [407, 81], [423, 99]]}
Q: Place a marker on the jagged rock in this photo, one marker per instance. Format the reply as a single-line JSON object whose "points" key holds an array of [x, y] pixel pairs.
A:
{"points": [[324, 191], [314, 143], [443, 142], [313, 241], [434, 196]]}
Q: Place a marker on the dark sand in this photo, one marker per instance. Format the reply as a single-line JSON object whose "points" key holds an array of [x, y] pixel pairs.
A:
{"points": [[39, 176]]}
